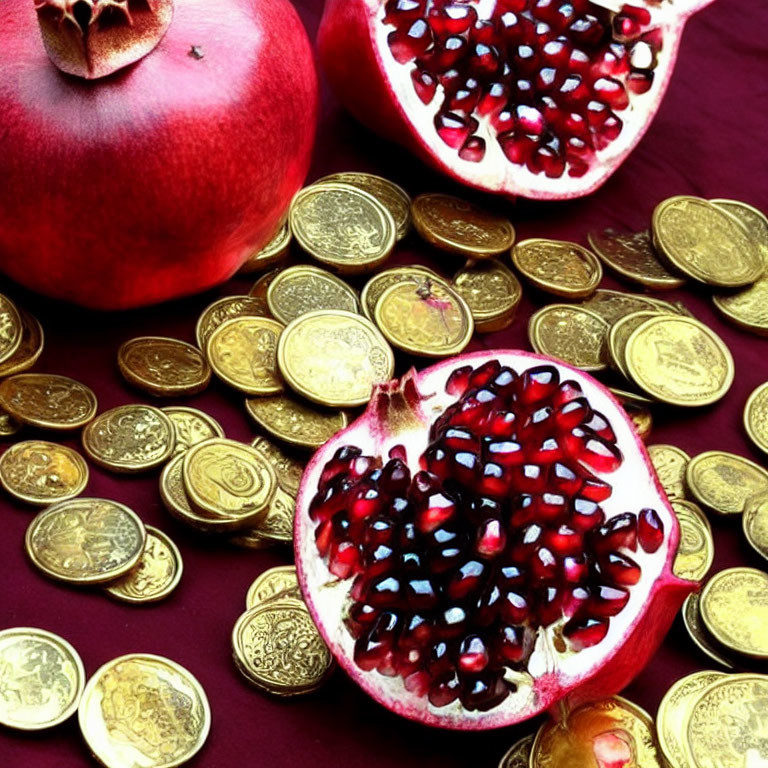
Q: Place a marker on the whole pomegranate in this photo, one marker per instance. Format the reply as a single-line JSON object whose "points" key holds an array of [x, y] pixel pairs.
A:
{"points": [[488, 539], [537, 98], [147, 147]]}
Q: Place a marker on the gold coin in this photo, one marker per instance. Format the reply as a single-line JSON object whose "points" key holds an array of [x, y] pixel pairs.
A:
{"points": [[273, 583], [229, 480], [174, 495], [143, 710], [275, 250], [261, 286], [429, 319], [670, 464], [342, 226], [623, 396], [492, 293], [250, 539], [680, 361], [47, 400], [612, 305], [753, 221], [85, 541], [394, 198], [698, 633], [225, 309], [41, 473], [570, 333], [618, 336], [727, 727], [278, 649], [242, 353], [277, 523], [129, 438], [10, 328], [755, 524], [696, 549], [609, 732], [558, 267], [8, 425], [294, 422], [705, 243], [519, 754], [632, 255], [379, 283], [191, 426], [734, 607], [641, 418], [334, 358], [756, 417], [298, 290], [155, 576], [674, 710], [723, 482], [748, 308], [42, 679], [289, 470], [30, 348], [163, 367], [456, 226]]}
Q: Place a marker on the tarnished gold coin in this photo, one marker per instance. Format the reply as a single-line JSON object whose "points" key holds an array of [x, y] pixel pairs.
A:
{"points": [[47, 400], [163, 367], [698, 633], [456, 226], [754, 222], [288, 469], [570, 333], [748, 308], [144, 710], [42, 679], [342, 226], [275, 250], [612, 305], [155, 576], [30, 348], [696, 550], [705, 243], [734, 607], [278, 649], [10, 328], [519, 754], [334, 358], [756, 417], [298, 290], [243, 354], [679, 360], [85, 541], [130, 438], [379, 283], [755, 524], [8, 425], [618, 336], [492, 293], [274, 583], [558, 267], [670, 464], [41, 473], [295, 422], [723, 482], [225, 309], [609, 732], [191, 426]]}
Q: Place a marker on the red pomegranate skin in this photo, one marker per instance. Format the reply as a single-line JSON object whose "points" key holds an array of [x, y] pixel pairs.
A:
{"points": [[161, 179]]}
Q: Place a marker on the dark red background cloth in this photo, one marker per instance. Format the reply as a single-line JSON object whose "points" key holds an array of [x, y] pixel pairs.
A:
{"points": [[710, 138]]}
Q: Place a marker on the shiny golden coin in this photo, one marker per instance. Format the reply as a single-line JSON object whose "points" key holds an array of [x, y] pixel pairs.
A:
{"points": [[641, 418], [612, 305], [191, 426], [343, 226], [242, 353], [298, 290], [570, 333], [492, 293], [734, 608], [394, 198], [672, 717], [334, 358], [294, 422], [278, 648], [456, 226], [756, 417], [130, 438], [519, 754], [379, 283], [705, 243], [85, 541], [163, 367], [724, 482], [8, 425], [680, 361], [42, 679], [698, 633], [755, 524], [261, 286], [155, 576], [274, 583], [30, 348], [618, 336], [429, 319], [670, 464], [277, 524], [754, 222], [558, 267], [727, 726], [609, 732], [288, 469], [748, 308], [696, 550], [174, 495], [41, 473], [47, 400], [225, 309], [275, 250], [10, 328], [624, 396], [143, 710]]}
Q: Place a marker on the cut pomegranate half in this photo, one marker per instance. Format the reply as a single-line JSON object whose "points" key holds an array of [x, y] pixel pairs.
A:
{"points": [[488, 538]]}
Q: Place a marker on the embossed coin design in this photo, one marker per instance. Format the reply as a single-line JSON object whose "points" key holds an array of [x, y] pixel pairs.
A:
{"points": [[30, 348], [42, 679], [619, 334], [519, 754], [191, 426], [670, 464], [456, 226], [379, 283], [39, 472], [274, 583], [288, 469], [85, 541], [129, 438], [756, 417], [755, 524], [754, 222], [226, 309], [747, 309], [10, 328], [144, 710], [611, 305], [275, 250], [342, 226], [334, 358], [723, 482], [174, 495], [696, 549], [492, 293], [698, 633]]}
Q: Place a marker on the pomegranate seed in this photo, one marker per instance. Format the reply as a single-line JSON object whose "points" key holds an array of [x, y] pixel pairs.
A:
{"points": [[610, 92], [594, 451], [383, 591], [585, 632], [484, 692], [514, 608], [618, 532], [438, 511], [524, 510], [594, 489], [452, 621], [650, 530], [512, 643], [421, 594], [579, 62], [574, 91], [400, 11], [439, 660], [407, 45], [444, 690], [613, 61], [607, 601], [567, 391], [555, 53], [487, 608], [525, 59], [484, 61], [380, 561], [640, 81], [458, 382], [575, 568], [453, 129], [517, 148], [538, 384], [323, 537], [620, 569], [452, 19], [608, 131], [502, 424], [473, 655], [491, 539], [425, 85], [460, 439], [550, 506], [550, 605], [564, 540], [600, 426], [507, 453], [371, 649], [543, 565], [546, 452], [493, 99], [417, 633], [447, 55], [344, 559], [586, 30], [529, 478], [466, 97], [564, 479], [473, 150], [465, 580], [515, 28], [418, 683], [484, 32], [586, 515], [573, 413]]}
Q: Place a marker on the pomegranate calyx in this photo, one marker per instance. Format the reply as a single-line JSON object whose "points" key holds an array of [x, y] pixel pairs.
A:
{"points": [[94, 38]]}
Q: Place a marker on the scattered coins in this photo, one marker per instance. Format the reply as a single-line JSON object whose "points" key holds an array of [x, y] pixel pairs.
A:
{"points": [[275, 250], [519, 754], [261, 286], [755, 524], [191, 426], [564, 269], [612, 305], [696, 550], [752, 220], [492, 293], [273, 584], [10, 328], [698, 632], [618, 336], [174, 496], [724, 482], [288, 469], [227, 309], [670, 464], [29, 349], [747, 309], [379, 283], [756, 417]]}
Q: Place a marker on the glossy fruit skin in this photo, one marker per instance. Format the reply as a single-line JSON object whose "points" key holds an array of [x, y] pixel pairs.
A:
{"points": [[160, 180]]}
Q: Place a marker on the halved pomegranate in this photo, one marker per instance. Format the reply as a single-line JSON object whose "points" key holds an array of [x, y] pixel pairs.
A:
{"points": [[538, 98], [488, 538]]}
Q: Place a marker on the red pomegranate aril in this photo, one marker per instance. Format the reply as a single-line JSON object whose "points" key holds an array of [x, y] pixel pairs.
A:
{"points": [[610, 92], [564, 480], [575, 568], [586, 30], [399, 12], [495, 480], [529, 120], [549, 605], [515, 28], [507, 453], [640, 81], [493, 99], [484, 692], [465, 580], [600, 426], [439, 510], [466, 97], [543, 565], [491, 539], [525, 60], [524, 511], [416, 633], [473, 655], [502, 425], [514, 608], [344, 559], [440, 658], [538, 424], [607, 601], [564, 540], [511, 645], [547, 452], [608, 131], [518, 148], [550, 506], [421, 594], [460, 439], [484, 61], [452, 19], [371, 649], [539, 383], [361, 617], [594, 451], [409, 43], [618, 532], [586, 515], [383, 591], [367, 502], [418, 683], [452, 622], [487, 608], [613, 61], [555, 53], [446, 55], [594, 489], [425, 85], [585, 632], [379, 530], [573, 92], [453, 129], [573, 413], [458, 382], [620, 569], [650, 530], [444, 690]]}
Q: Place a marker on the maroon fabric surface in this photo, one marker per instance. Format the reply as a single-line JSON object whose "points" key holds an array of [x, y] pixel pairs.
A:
{"points": [[708, 139]]}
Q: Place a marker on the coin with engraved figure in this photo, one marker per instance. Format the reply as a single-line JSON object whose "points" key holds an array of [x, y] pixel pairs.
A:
{"points": [[698, 632], [670, 463], [30, 348], [756, 417], [225, 309], [754, 222], [288, 469], [755, 523], [372, 290], [10, 328], [724, 482], [612, 305], [519, 754], [492, 293], [277, 582], [191, 426], [275, 250], [696, 549]]}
